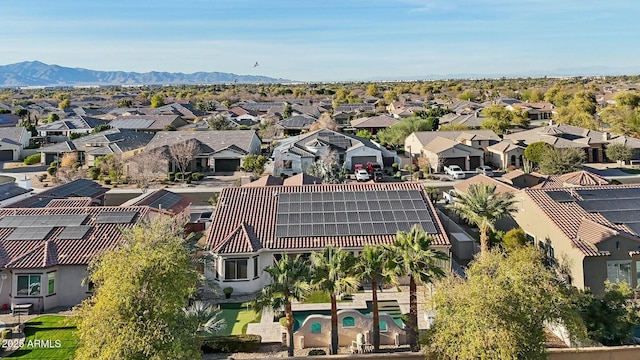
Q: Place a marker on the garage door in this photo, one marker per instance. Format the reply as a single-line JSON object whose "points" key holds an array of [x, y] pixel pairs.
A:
{"points": [[474, 162], [6, 155], [460, 161], [227, 165], [362, 160], [49, 158]]}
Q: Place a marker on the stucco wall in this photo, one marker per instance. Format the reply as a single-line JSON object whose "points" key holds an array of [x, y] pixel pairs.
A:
{"points": [[70, 290], [362, 151], [346, 335]]}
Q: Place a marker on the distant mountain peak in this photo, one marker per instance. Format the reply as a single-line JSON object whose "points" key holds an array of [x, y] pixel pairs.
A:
{"points": [[37, 73]]}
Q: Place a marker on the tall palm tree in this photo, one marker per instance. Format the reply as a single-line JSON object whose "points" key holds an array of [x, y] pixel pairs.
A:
{"points": [[289, 281], [333, 273], [413, 256], [482, 206], [374, 265]]}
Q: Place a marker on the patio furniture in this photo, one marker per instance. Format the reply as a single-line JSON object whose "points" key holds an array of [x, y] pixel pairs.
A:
{"points": [[21, 309]]}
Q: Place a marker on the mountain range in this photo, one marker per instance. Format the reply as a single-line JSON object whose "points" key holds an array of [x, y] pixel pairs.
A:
{"points": [[36, 73]]}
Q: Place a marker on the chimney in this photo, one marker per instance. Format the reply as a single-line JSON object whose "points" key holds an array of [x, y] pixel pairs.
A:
{"points": [[606, 136], [25, 183]]}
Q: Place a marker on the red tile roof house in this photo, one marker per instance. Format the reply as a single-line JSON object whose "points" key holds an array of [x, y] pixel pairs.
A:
{"points": [[592, 231], [253, 225], [44, 252]]}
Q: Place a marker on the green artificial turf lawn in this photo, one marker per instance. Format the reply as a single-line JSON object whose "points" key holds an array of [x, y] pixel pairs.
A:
{"points": [[237, 317], [49, 327]]}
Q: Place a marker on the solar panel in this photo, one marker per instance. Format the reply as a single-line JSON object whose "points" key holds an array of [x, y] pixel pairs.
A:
{"points": [[360, 213], [621, 217], [116, 217], [428, 227], [41, 220], [166, 201], [74, 232], [30, 233], [561, 196], [635, 226]]}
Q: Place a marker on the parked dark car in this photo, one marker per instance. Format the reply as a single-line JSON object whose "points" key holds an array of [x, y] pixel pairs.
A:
{"points": [[378, 176], [372, 167]]}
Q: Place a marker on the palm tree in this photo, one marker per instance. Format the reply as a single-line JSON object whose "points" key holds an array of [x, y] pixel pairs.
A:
{"points": [[332, 273], [413, 256], [289, 281], [482, 206], [373, 265]]}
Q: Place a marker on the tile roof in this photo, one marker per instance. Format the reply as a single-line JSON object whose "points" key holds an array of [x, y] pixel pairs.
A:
{"points": [[569, 217], [55, 250], [105, 142], [215, 140], [164, 200], [12, 133], [559, 135], [146, 122], [504, 146], [73, 123], [426, 137], [10, 190], [302, 179], [77, 188], [70, 202], [576, 178], [244, 212], [380, 121], [267, 180], [463, 186], [298, 122]]}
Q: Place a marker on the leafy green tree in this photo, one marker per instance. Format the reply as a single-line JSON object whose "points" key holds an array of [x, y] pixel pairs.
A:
{"points": [[580, 111], [125, 103], [562, 161], [254, 163], [372, 90], [390, 96], [453, 127], [467, 95], [609, 318], [100, 128], [287, 111], [412, 255], [374, 265], [397, 133], [483, 206], [624, 116], [501, 309], [141, 289], [513, 239], [64, 104], [534, 152], [288, 283], [556, 96], [364, 133], [157, 100], [219, 122], [332, 272], [22, 113], [498, 118], [53, 117], [619, 152]]}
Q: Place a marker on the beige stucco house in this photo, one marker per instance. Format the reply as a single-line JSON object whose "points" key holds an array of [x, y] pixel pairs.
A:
{"points": [[505, 154]]}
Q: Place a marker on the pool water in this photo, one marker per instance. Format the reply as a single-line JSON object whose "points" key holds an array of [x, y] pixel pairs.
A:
{"points": [[389, 307]]}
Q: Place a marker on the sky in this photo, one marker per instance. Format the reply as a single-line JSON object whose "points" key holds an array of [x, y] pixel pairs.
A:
{"points": [[327, 40]]}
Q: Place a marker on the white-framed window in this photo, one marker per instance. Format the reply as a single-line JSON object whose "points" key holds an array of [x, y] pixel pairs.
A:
{"points": [[235, 269], [29, 285], [619, 270], [51, 283], [287, 164], [256, 266]]}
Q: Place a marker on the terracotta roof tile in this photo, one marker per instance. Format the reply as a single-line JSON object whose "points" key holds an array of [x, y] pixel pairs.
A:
{"points": [[244, 212], [463, 186], [267, 180], [70, 202]]}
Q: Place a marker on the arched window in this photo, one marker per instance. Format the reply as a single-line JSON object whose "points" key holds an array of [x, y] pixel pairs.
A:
{"points": [[316, 328], [348, 322], [383, 326]]}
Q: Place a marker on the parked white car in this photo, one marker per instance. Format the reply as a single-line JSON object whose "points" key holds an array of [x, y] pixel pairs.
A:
{"points": [[455, 171], [362, 175], [449, 196], [485, 170]]}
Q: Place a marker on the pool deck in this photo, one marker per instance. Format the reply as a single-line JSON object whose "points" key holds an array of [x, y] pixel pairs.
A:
{"points": [[272, 331]]}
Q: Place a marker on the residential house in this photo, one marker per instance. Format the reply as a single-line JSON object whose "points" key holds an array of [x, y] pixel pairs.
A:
{"points": [[591, 233], [295, 125], [10, 192], [185, 111], [471, 120], [262, 108], [9, 120], [46, 250], [13, 140], [573, 179], [61, 130], [217, 151], [294, 155], [463, 148], [239, 116], [374, 124], [252, 226], [121, 142], [505, 154], [567, 136], [536, 111], [87, 192], [148, 123]]}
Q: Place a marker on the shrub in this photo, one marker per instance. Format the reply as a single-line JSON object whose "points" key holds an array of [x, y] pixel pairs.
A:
{"points": [[76, 165], [51, 170], [398, 175], [197, 176], [227, 290], [6, 334], [32, 159], [42, 177], [107, 181], [54, 164], [283, 322], [187, 175], [171, 176], [179, 176], [404, 177], [317, 352], [231, 343], [395, 166], [94, 172]]}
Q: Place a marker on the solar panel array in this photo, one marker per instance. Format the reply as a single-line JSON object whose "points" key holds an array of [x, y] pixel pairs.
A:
{"points": [[82, 187], [335, 139], [74, 232], [166, 201], [116, 217], [561, 196], [30, 233], [351, 213], [30, 221], [620, 206]]}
